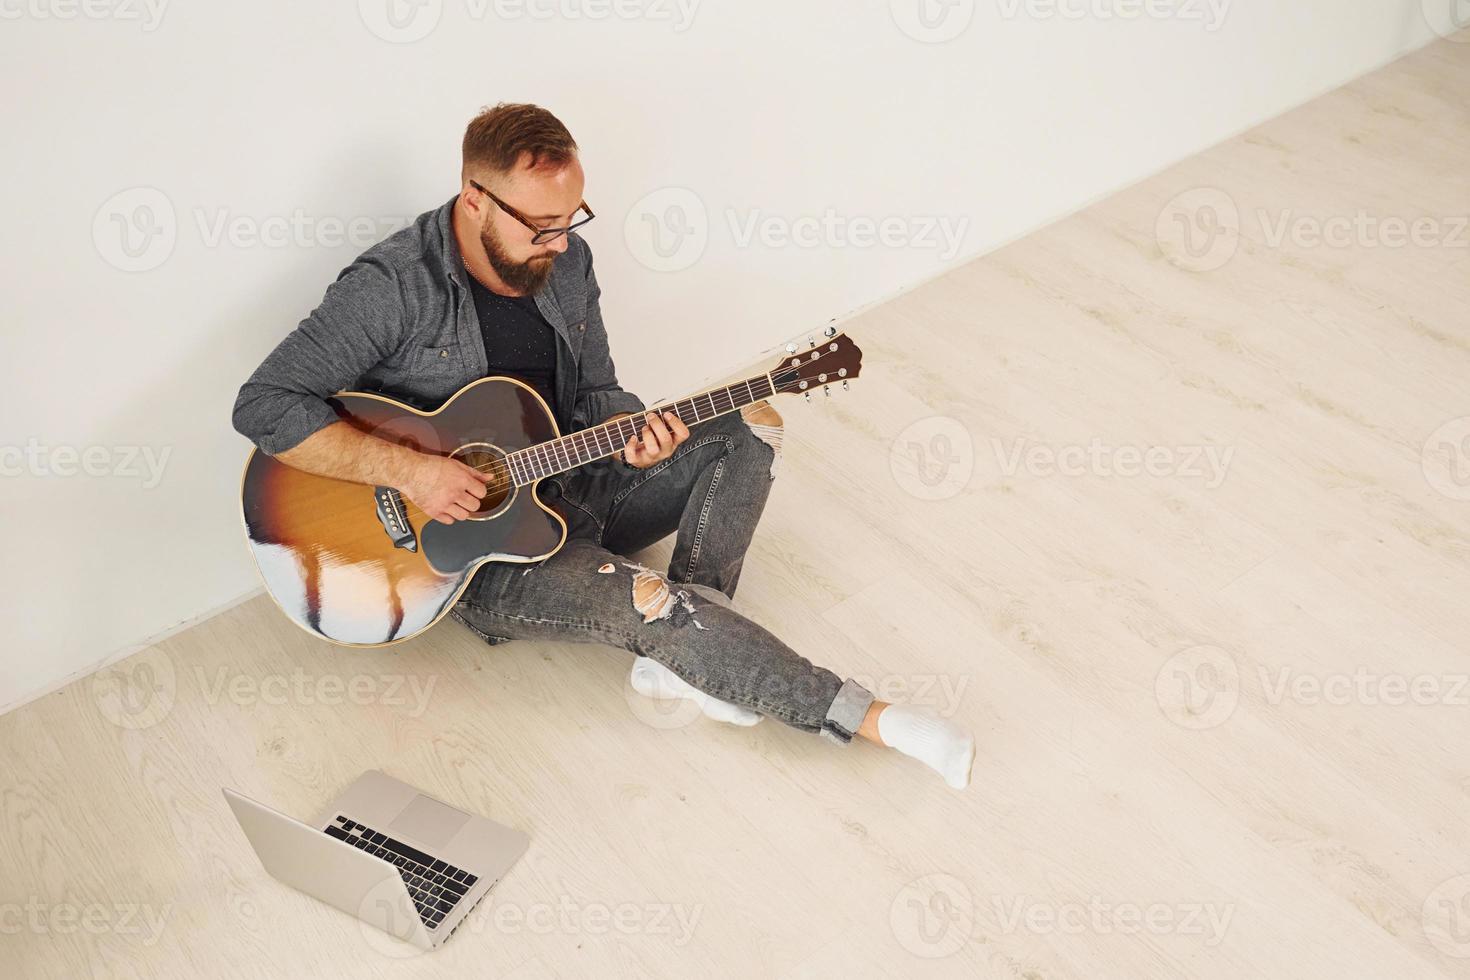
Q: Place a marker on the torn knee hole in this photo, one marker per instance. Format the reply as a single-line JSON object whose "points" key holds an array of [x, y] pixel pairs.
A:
{"points": [[655, 599], [768, 426]]}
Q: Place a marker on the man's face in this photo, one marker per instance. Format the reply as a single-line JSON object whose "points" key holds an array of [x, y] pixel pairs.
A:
{"points": [[546, 196]]}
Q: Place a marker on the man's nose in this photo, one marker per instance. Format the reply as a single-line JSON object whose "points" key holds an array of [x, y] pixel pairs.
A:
{"points": [[558, 244]]}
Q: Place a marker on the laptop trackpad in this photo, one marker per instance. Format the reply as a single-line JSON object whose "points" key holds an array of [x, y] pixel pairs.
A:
{"points": [[430, 821]]}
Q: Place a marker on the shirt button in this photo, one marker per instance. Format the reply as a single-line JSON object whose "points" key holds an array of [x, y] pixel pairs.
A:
{"points": [[444, 353], [581, 326]]}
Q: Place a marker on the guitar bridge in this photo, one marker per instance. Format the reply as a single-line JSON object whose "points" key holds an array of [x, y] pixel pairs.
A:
{"points": [[395, 520]]}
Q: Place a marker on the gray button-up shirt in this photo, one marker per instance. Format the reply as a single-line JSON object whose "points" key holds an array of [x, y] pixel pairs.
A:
{"points": [[400, 321]]}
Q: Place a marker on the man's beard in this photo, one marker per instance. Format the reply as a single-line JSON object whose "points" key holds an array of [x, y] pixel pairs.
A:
{"points": [[525, 277]]}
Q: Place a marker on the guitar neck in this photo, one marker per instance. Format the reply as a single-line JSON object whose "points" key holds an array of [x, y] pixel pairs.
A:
{"points": [[580, 448]]}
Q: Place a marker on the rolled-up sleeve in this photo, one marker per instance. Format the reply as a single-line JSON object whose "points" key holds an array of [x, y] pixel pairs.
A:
{"points": [[360, 321], [598, 393]]}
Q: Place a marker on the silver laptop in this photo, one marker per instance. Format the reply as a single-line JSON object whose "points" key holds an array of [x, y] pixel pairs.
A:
{"points": [[384, 852]]}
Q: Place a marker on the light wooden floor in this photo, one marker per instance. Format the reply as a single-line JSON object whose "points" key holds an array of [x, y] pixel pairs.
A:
{"points": [[1160, 790]]}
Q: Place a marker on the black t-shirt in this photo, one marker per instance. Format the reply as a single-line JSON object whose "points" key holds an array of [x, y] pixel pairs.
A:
{"points": [[519, 342]]}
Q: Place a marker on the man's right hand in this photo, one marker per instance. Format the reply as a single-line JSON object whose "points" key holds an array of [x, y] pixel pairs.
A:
{"points": [[443, 488]]}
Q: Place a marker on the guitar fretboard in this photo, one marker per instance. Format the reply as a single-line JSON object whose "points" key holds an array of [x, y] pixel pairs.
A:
{"points": [[560, 455]]}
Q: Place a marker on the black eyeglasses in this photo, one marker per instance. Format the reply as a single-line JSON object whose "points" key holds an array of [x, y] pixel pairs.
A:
{"points": [[542, 235]]}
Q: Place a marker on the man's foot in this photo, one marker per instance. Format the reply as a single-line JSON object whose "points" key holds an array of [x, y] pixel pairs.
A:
{"points": [[937, 742], [652, 679]]}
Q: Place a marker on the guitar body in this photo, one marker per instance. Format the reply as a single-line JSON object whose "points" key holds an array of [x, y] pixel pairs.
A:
{"points": [[363, 566]]}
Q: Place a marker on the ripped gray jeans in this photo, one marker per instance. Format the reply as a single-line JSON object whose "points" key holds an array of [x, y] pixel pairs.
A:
{"points": [[711, 491]]}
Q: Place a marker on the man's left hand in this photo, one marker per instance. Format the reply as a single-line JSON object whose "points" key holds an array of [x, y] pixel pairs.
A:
{"points": [[658, 440]]}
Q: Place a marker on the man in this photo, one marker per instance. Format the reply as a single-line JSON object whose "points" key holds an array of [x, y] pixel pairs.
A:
{"points": [[495, 282]]}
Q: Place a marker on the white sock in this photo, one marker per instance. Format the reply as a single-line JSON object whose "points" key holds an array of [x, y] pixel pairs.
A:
{"points": [[652, 679], [937, 742]]}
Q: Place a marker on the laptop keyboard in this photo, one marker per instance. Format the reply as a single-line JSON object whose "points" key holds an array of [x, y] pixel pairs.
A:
{"points": [[434, 886]]}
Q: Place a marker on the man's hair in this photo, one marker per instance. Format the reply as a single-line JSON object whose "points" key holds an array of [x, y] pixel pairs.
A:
{"points": [[498, 136]]}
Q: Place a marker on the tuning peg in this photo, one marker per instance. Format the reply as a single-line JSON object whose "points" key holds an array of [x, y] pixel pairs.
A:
{"points": [[844, 384], [827, 390], [807, 395], [811, 340], [791, 348], [829, 331]]}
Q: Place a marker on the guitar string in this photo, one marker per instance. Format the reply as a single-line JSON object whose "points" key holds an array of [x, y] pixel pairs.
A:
{"points": [[396, 496]]}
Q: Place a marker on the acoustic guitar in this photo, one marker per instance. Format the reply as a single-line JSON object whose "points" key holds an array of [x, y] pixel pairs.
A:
{"points": [[363, 566]]}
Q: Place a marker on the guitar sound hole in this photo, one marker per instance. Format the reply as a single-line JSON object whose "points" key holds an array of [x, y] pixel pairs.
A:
{"points": [[499, 487]]}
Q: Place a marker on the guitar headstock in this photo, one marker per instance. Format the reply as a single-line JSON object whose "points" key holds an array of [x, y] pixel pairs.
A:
{"points": [[835, 359]]}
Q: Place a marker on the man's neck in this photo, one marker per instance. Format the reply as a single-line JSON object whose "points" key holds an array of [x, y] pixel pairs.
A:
{"points": [[476, 262]]}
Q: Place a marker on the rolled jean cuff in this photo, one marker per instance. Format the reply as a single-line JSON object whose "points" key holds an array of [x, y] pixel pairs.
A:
{"points": [[847, 712]]}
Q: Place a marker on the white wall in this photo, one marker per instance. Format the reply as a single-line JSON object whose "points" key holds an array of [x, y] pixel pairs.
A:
{"points": [[180, 116]]}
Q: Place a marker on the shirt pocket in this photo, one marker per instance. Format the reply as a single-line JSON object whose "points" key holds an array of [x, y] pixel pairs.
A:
{"points": [[437, 371], [576, 333]]}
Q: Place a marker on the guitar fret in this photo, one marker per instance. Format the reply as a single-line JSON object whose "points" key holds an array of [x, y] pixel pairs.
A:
{"points": [[570, 451]]}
